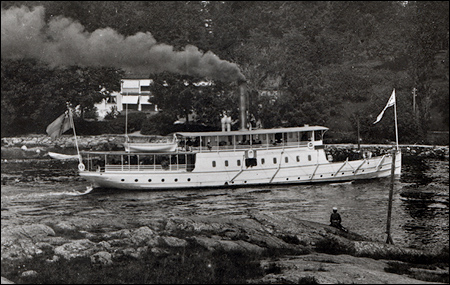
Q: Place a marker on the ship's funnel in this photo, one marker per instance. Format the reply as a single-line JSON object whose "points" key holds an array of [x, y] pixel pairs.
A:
{"points": [[243, 107]]}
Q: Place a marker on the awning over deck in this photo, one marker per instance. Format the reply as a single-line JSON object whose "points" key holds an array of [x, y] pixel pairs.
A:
{"points": [[253, 132]]}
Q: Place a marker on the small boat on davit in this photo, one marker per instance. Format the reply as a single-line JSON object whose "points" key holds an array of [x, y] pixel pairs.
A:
{"points": [[150, 143]]}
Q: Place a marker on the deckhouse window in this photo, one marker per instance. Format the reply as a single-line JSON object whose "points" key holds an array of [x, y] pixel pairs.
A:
{"points": [[309, 157], [226, 162], [306, 136], [238, 162], [286, 159], [214, 163], [318, 135], [298, 158], [274, 160], [263, 160]]}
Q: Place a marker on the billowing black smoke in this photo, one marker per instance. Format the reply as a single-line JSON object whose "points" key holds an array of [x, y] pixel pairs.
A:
{"points": [[64, 42]]}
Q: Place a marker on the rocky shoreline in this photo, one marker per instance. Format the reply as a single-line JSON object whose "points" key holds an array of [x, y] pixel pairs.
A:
{"points": [[289, 249], [66, 144]]}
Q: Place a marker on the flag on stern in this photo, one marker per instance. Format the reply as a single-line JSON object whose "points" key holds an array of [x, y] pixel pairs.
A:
{"points": [[390, 103], [59, 126]]}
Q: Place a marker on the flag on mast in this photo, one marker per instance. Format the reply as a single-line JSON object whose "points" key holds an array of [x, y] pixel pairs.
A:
{"points": [[390, 103], [59, 126]]}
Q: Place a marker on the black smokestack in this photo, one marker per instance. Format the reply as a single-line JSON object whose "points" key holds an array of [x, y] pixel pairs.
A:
{"points": [[243, 104], [65, 42]]}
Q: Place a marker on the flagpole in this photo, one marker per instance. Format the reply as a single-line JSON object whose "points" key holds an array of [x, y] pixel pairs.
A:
{"points": [[74, 134], [395, 116]]}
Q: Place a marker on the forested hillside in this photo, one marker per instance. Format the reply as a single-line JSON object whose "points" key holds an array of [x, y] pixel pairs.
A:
{"points": [[326, 63]]}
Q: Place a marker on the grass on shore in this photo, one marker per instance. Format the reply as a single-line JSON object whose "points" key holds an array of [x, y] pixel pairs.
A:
{"points": [[192, 264], [424, 275]]}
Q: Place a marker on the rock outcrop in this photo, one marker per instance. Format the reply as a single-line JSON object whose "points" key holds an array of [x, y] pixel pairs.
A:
{"points": [[303, 243]]}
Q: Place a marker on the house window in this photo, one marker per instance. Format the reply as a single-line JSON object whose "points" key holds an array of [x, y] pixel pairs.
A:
{"points": [[145, 88]]}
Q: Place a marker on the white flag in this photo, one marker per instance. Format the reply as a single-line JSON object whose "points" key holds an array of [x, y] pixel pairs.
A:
{"points": [[390, 103]]}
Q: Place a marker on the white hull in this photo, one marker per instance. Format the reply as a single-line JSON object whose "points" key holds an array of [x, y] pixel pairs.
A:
{"points": [[288, 171]]}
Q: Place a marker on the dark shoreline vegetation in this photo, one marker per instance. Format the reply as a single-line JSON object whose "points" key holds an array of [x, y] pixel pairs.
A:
{"points": [[336, 68], [190, 265]]}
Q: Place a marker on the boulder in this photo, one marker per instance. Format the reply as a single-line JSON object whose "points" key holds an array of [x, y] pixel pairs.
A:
{"points": [[19, 242], [213, 244], [79, 248], [28, 273], [34, 232], [142, 235], [120, 234], [172, 241], [101, 258], [64, 226]]}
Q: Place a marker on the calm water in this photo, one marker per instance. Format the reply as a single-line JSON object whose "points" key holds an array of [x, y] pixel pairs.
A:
{"points": [[416, 221]]}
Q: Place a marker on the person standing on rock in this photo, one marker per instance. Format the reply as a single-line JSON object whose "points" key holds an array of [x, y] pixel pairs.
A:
{"points": [[335, 220]]}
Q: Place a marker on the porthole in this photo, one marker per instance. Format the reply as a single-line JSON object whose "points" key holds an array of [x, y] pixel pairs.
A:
{"points": [[136, 180], [298, 177], [149, 180], [176, 179], [321, 175], [189, 179], [122, 180], [162, 180], [287, 178], [342, 173]]}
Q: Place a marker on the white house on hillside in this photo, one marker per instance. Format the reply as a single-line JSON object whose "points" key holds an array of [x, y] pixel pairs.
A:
{"points": [[134, 95]]}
